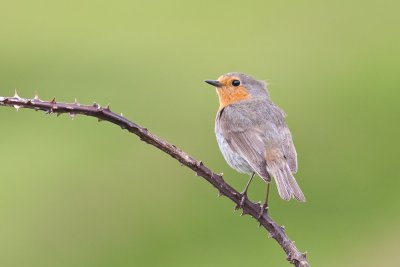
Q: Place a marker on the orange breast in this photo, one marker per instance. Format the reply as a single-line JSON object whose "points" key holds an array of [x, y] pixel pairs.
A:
{"points": [[229, 95]]}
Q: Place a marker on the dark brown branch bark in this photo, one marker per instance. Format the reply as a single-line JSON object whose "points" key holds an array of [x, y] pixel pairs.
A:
{"points": [[275, 231]]}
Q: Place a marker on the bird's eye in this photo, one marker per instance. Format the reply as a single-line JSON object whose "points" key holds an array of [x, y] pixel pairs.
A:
{"points": [[235, 82]]}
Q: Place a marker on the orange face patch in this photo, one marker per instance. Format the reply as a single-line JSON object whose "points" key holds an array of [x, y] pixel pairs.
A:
{"points": [[229, 94]]}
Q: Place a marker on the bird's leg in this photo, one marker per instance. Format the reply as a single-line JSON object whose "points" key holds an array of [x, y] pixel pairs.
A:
{"points": [[244, 193], [264, 207]]}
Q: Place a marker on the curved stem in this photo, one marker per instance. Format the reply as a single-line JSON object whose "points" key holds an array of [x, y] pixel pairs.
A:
{"points": [[275, 231]]}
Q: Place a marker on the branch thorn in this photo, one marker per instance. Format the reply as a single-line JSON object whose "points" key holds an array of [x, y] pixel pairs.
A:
{"points": [[269, 235], [97, 106], [36, 97], [16, 94]]}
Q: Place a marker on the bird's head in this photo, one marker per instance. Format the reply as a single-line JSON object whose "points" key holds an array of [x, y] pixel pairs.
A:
{"points": [[233, 87]]}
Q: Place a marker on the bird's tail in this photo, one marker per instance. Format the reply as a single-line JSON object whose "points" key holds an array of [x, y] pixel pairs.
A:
{"points": [[285, 181]]}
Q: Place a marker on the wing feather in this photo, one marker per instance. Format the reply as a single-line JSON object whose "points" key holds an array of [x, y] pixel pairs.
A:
{"points": [[247, 143]]}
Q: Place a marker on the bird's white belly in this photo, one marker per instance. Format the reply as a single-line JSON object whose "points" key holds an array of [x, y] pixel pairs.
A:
{"points": [[232, 158]]}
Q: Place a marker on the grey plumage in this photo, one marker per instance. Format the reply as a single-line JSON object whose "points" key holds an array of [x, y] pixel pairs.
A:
{"points": [[253, 137]]}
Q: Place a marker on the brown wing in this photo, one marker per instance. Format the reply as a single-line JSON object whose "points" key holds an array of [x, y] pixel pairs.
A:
{"points": [[247, 143]]}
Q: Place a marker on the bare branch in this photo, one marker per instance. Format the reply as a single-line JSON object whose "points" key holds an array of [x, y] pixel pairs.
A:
{"points": [[275, 231]]}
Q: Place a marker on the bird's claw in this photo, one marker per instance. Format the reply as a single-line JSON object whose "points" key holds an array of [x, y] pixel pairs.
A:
{"points": [[242, 200], [244, 197], [263, 208]]}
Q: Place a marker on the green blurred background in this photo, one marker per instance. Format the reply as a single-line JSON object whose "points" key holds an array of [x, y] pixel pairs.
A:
{"points": [[80, 193]]}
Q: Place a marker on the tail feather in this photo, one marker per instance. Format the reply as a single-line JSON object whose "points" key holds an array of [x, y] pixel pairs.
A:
{"points": [[282, 185], [285, 181], [297, 193]]}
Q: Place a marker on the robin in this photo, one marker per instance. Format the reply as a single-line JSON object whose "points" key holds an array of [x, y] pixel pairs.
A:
{"points": [[253, 136]]}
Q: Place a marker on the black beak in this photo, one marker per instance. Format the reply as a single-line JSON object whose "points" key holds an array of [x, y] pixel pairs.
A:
{"points": [[215, 83]]}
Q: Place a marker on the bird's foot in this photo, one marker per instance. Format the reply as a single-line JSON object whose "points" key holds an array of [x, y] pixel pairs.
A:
{"points": [[263, 208], [242, 200]]}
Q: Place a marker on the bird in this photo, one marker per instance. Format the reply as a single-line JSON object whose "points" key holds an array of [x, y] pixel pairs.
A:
{"points": [[253, 136]]}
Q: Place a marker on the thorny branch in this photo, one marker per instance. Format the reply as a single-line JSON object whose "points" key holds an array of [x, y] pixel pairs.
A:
{"points": [[275, 231]]}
